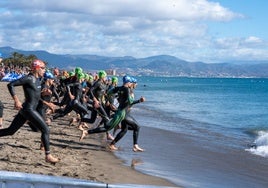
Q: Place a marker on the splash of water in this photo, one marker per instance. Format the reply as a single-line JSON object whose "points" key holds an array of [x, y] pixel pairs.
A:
{"points": [[260, 146]]}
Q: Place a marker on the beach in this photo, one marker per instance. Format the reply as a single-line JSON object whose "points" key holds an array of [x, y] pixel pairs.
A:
{"points": [[89, 159]]}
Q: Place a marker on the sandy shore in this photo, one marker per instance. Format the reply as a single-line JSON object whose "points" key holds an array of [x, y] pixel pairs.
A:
{"points": [[89, 159]]}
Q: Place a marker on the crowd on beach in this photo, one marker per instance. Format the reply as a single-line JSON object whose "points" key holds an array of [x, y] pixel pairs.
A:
{"points": [[52, 93]]}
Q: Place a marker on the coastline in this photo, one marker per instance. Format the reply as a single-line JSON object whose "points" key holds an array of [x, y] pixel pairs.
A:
{"points": [[89, 159]]}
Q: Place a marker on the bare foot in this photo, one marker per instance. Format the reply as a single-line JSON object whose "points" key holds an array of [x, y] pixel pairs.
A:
{"points": [[51, 159], [84, 133], [112, 147], [85, 125], [136, 148], [1, 126], [72, 121], [80, 127]]}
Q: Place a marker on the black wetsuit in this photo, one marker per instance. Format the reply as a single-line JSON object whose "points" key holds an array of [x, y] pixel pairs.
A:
{"points": [[98, 91], [111, 100], [124, 100], [62, 89], [129, 123], [32, 90], [75, 104]]}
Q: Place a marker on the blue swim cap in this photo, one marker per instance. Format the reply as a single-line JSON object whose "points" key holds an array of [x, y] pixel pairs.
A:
{"points": [[48, 75], [133, 80], [126, 79]]}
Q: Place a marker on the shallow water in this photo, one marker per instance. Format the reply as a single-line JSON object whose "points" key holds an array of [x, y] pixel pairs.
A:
{"points": [[204, 127]]}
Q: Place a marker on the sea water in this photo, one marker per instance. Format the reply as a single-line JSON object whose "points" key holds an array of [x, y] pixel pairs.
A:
{"points": [[228, 112], [229, 106]]}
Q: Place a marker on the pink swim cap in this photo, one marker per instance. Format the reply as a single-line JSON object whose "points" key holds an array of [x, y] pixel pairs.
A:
{"points": [[36, 64]]}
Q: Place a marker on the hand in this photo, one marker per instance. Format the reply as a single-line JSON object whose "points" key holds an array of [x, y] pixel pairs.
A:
{"points": [[96, 104], [72, 97], [142, 99], [17, 105], [46, 92]]}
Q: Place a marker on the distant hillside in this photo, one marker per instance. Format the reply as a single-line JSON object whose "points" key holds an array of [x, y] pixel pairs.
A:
{"points": [[162, 65]]}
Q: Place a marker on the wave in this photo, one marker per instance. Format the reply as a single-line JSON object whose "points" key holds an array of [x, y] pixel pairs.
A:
{"points": [[260, 145]]}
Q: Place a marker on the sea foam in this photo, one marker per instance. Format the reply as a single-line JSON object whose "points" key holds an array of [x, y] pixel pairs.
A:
{"points": [[260, 144]]}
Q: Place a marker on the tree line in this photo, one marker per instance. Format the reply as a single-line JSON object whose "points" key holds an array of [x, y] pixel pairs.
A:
{"points": [[19, 60]]}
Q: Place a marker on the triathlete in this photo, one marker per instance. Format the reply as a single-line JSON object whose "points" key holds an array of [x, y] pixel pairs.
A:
{"points": [[48, 91], [31, 84], [124, 100], [129, 123], [110, 103], [75, 93], [97, 94]]}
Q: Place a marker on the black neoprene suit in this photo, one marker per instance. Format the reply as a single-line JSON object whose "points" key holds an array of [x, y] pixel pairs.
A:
{"points": [[74, 104], [124, 102], [32, 89], [129, 123], [97, 90]]}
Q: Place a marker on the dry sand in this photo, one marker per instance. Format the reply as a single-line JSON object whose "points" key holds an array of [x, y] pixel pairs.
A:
{"points": [[88, 159]]}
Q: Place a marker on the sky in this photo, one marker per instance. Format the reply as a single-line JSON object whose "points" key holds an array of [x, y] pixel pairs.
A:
{"points": [[210, 31]]}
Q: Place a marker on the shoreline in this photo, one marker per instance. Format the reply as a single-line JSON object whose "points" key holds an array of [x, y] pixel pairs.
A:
{"points": [[88, 159]]}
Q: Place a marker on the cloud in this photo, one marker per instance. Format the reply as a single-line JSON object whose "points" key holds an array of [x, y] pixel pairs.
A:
{"points": [[139, 28]]}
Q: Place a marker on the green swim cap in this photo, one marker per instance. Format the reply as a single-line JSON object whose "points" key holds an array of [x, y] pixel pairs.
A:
{"points": [[102, 74], [71, 73], [86, 76], [90, 78], [78, 70], [80, 75], [114, 79]]}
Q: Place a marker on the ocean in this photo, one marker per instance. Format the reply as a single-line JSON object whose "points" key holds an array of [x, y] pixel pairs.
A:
{"points": [[201, 132]]}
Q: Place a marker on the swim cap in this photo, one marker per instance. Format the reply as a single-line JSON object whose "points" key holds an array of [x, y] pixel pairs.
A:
{"points": [[90, 77], [36, 64], [80, 75], [71, 73], [126, 79], [102, 74], [133, 80], [86, 76], [78, 70], [48, 75], [114, 79]]}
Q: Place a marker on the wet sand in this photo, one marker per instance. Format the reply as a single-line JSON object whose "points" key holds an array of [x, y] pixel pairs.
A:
{"points": [[89, 159], [192, 161]]}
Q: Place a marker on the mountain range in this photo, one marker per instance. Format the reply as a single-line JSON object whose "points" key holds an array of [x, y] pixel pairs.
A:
{"points": [[162, 65]]}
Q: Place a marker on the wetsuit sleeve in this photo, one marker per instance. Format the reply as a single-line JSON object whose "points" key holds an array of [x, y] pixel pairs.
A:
{"points": [[110, 94], [135, 101], [68, 88], [95, 85], [14, 83], [55, 93]]}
